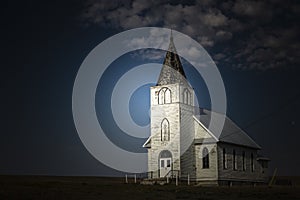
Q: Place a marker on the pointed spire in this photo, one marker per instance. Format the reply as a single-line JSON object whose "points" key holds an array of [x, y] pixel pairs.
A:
{"points": [[171, 44], [172, 70]]}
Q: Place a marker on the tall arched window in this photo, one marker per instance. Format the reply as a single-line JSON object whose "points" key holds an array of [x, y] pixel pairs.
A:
{"points": [[186, 96], [168, 96], [165, 130], [161, 96], [205, 158]]}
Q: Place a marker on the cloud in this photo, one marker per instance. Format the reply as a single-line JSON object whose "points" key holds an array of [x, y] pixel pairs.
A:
{"points": [[206, 41], [190, 19], [219, 56], [148, 54], [214, 18], [249, 7], [252, 34], [156, 39], [223, 35]]}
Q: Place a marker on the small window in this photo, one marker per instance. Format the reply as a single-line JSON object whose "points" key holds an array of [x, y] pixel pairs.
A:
{"points": [[234, 160], [244, 164], [252, 162], [205, 158], [186, 97], [168, 163], [224, 159], [162, 163], [265, 164]]}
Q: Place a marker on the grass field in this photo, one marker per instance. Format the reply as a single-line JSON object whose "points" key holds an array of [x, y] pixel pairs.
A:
{"points": [[51, 187]]}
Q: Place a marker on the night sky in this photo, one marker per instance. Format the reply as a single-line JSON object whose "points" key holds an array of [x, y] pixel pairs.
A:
{"points": [[255, 45]]}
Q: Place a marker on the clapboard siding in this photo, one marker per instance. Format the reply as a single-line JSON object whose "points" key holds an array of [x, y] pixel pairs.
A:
{"points": [[188, 163], [187, 159], [171, 112], [239, 174], [212, 172], [186, 152]]}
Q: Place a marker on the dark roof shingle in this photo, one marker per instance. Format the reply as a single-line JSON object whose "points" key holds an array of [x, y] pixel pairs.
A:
{"points": [[230, 133]]}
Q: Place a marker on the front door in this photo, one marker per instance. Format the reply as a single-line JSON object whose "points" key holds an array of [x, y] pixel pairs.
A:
{"points": [[165, 166]]}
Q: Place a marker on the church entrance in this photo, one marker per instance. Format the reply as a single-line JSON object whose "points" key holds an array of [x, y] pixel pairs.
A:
{"points": [[165, 163]]}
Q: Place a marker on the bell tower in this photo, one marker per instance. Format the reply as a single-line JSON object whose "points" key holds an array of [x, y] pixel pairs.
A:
{"points": [[172, 106]]}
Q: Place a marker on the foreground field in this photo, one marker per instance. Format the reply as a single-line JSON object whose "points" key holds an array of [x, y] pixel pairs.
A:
{"points": [[44, 187]]}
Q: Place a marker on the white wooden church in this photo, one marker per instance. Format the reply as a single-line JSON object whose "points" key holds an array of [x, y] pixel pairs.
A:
{"points": [[182, 144]]}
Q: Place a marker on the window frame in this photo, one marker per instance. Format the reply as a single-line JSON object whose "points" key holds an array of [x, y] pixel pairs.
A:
{"points": [[205, 158], [234, 160], [252, 162], [163, 129], [224, 157], [161, 96], [244, 160]]}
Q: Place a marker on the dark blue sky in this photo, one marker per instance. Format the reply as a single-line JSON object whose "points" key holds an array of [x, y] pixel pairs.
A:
{"points": [[45, 43]]}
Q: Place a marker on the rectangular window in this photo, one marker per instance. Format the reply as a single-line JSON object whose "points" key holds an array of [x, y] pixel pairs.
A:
{"points": [[205, 158], [168, 163], [244, 164], [162, 163], [265, 164], [234, 160], [252, 162], [224, 159]]}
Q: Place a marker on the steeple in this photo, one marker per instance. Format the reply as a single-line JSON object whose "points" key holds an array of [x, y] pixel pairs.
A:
{"points": [[172, 70]]}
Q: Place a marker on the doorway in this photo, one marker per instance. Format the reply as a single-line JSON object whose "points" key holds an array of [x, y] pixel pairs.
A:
{"points": [[165, 163]]}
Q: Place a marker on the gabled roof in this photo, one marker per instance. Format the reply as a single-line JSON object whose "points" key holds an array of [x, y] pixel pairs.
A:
{"points": [[231, 133], [172, 70], [211, 139]]}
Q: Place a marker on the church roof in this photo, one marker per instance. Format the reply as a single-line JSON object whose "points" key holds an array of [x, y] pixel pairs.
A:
{"points": [[172, 70], [231, 133]]}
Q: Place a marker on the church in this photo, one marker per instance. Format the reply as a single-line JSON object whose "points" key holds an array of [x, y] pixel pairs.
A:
{"points": [[181, 143]]}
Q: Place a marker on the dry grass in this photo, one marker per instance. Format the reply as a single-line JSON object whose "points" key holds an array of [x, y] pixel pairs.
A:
{"points": [[47, 187]]}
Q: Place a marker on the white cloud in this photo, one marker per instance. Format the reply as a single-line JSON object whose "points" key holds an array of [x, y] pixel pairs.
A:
{"points": [[156, 39], [148, 54], [214, 18], [205, 41], [219, 56], [223, 35], [243, 25], [189, 19]]}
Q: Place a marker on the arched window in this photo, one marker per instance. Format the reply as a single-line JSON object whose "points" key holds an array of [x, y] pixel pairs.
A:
{"points": [[164, 96], [186, 96], [161, 95], [165, 130], [205, 158], [168, 96]]}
